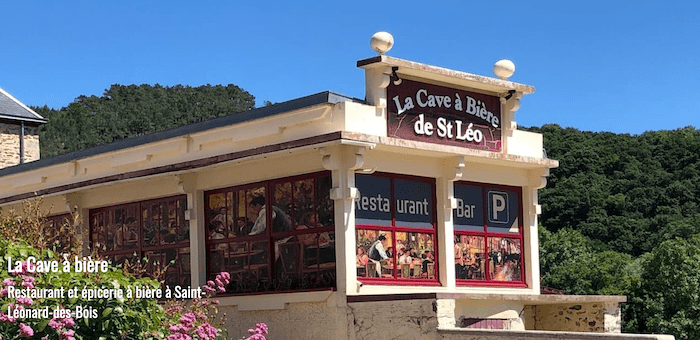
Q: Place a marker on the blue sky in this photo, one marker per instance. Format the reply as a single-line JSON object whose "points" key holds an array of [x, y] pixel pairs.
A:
{"points": [[620, 66]]}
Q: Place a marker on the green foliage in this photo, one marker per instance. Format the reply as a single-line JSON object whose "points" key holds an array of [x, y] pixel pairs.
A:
{"points": [[665, 297], [619, 195], [576, 264], [629, 192], [129, 111], [116, 318]]}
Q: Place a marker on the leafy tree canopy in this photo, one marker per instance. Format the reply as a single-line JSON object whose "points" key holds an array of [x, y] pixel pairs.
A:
{"points": [[630, 192], [129, 111]]}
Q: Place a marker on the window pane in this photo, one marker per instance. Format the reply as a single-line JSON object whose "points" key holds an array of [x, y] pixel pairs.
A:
{"points": [[318, 261], [502, 211], [151, 219], [255, 212], [469, 214], [504, 259], [282, 207], [415, 254], [374, 206], [374, 245], [99, 232], [124, 225], [324, 204], [469, 257], [414, 203], [288, 259], [304, 214]]}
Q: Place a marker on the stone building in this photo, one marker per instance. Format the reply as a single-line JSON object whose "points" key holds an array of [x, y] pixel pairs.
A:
{"points": [[19, 141], [426, 184]]}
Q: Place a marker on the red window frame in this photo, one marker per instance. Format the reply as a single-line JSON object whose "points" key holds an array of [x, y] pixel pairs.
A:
{"points": [[178, 273], [486, 235], [393, 229], [272, 280]]}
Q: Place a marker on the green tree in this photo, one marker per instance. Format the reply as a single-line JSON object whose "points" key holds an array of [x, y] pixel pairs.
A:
{"points": [[665, 297], [129, 111]]}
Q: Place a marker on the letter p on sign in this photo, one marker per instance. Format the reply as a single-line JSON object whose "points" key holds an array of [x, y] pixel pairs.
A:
{"points": [[498, 207]]}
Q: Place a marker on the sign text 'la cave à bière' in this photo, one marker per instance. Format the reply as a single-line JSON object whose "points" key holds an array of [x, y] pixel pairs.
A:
{"points": [[438, 114]]}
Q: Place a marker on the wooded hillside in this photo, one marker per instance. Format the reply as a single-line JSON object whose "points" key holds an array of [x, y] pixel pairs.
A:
{"points": [[129, 111], [621, 215]]}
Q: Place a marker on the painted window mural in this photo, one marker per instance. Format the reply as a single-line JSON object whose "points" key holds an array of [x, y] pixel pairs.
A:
{"points": [[395, 226], [488, 235], [57, 238], [296, 251], [154, 229]]}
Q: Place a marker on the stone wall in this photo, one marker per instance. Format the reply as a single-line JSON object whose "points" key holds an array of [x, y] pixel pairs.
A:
{"points": [[597, 317], [9, 144]]}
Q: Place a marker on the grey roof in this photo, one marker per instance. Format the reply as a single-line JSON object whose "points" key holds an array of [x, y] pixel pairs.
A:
{"points": [[326, 97], [11, 108]]}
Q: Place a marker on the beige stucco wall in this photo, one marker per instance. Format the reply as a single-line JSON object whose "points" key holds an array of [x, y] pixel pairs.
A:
{"points": [[412, 319], [9, 144], [406, 320], [312, 320]]}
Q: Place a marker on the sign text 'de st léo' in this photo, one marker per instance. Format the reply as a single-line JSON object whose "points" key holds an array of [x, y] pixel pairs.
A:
{"points": [[437, 114]]}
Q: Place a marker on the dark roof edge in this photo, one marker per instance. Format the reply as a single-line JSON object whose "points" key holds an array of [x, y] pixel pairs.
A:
{"points": [[326, 97], [26, 119]]}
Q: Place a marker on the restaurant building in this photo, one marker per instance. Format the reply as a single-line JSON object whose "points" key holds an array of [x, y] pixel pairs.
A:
{"points": [[411, 213]]}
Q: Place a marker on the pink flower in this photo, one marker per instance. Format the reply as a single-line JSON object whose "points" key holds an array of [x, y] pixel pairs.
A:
{"points": [[188, 320], [25, 301], [178, 336], [69, 322], [208, 289], [8, 282], [207, 332], [26, 331], [55, 324], [6, 318], [262, 327]]}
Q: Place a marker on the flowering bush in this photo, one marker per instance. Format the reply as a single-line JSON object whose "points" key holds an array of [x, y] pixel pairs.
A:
{"points": [[109, 318], [112, 318], [195, 322]]}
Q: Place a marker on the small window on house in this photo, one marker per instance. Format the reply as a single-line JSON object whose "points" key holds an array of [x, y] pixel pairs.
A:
{"points": [[488, 235], [395, 229]]}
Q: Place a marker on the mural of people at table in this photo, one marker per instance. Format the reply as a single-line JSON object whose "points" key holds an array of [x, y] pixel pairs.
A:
{"points": [[378, 254], [126, 235], [280, 220]]}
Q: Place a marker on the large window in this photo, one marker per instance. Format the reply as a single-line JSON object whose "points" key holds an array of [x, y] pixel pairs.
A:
{"points": [[488, 235], [395, 226], [296, 253], [154, 229]]}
